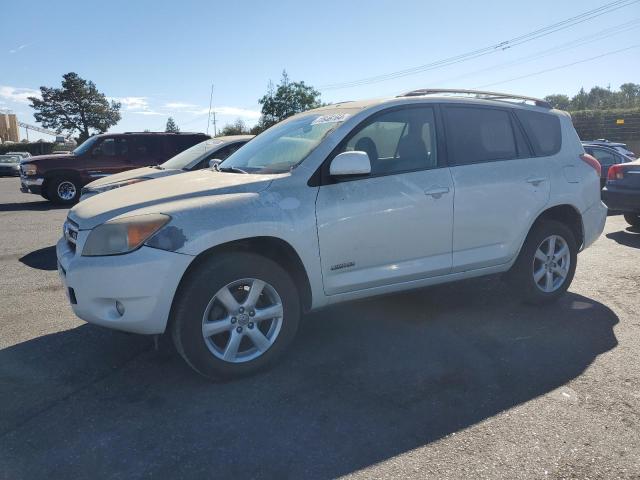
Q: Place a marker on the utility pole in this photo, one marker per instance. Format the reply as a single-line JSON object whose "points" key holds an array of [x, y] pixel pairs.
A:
{"points": [[214, 114]]}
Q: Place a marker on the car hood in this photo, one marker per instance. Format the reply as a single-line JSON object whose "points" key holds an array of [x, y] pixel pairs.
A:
{"points": [[144, 172], [161, 195], [48, 158]]}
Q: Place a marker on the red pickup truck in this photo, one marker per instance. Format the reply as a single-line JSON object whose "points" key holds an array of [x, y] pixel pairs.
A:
{"points": [[59, 178]]}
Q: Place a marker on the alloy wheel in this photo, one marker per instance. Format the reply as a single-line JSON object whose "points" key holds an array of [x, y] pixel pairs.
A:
{"points": [[551, 263], [242, 320]]}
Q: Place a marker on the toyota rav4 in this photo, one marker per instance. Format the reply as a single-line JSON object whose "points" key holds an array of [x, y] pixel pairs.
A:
{"points": [[338, 203]]}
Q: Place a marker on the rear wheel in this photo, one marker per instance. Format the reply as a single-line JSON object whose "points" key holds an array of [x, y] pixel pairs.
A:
{"points": [[234, 315], [632, 219], [546, 264], [63, 190]]}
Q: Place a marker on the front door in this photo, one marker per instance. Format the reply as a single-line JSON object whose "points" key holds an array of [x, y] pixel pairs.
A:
{"points": [[110, 155], [394, 225]]}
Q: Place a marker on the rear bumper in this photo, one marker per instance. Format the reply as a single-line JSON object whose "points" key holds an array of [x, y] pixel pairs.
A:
{"points": [[622, 200], [593, 220]]}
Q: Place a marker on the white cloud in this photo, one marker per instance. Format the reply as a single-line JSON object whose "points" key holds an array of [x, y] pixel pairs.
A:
{"points": [[147, 112], [179, 105], [132, 103], [228, 111], [19, 95], [18, 48]]}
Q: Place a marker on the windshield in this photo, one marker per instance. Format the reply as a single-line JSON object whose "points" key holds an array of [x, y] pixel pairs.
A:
{"points": [[9, 159], [86, 146], [191, 155], [285, 145]]}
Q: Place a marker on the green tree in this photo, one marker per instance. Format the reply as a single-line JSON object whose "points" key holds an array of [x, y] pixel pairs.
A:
{"points": [[77, 106], [286, 99], [236, 128], [561, 102], [580, 101], [172, 126]]}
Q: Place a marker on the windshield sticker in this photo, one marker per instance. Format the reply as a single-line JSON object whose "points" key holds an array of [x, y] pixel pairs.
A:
{"points": [[334, 118]]}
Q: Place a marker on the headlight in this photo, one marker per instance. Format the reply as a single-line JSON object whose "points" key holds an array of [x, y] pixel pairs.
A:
{"points": [[111, 186], [29, 169], [123, 235]]}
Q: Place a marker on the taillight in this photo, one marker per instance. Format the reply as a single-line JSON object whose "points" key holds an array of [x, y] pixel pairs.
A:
{"points": [[592, 162], [616, 172]]}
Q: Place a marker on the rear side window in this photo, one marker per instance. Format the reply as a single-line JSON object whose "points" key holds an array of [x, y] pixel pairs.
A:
{"points": [[177, 143], [543, 130], [605, 157], [476, 135]]}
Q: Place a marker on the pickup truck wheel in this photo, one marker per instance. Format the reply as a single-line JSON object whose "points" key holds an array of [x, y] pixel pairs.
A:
{"points": [[234, 314], [546, 264], [63, 190], [632, 219]]}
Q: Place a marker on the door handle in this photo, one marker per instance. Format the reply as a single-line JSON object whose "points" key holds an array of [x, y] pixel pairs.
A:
{"points": [[535, 181], [437, 192]]}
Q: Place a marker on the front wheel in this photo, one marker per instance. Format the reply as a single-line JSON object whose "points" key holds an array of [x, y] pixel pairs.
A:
{"points": [[234, 314], [546, 264], [632, 219], [63, 190]]}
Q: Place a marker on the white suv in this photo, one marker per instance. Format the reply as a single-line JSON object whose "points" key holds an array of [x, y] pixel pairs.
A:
{"points": [[346, 201]]}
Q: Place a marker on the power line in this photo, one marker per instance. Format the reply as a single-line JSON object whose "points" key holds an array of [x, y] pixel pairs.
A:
{"points": [[592, 37], [519, 40], [558, 67]]}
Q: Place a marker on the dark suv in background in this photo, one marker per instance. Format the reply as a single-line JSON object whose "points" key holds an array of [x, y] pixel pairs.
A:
{"points": [[59, 178]]}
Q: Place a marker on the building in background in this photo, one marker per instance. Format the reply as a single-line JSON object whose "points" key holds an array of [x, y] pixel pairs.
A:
{"points": [[9, 127]]}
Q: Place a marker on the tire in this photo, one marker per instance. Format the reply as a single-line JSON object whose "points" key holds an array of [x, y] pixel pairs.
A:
{"points": [[632, 219], [524, 274], [200, 294], [63, 190]]}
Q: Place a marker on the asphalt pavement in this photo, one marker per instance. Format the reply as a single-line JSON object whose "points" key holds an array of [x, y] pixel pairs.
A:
{"points": [[448, 382]]}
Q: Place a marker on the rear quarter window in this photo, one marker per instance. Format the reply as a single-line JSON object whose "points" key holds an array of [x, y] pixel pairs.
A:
{"points": [[476, 135], [543, 130]]}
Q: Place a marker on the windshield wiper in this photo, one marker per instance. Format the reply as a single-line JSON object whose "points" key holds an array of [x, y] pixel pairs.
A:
{"points": [[231, 169], [158, 167]]}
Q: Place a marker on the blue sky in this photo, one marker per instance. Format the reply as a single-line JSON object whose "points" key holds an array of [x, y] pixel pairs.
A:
{"points": [[160, 58]]}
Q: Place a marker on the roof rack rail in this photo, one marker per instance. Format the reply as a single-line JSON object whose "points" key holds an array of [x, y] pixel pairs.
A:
{"points": [[164, 133], [478, 94]]}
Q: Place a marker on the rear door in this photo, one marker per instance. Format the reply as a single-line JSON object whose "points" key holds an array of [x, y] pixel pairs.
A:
{"points": [[499, 185], [145, 150], [395, 224]]}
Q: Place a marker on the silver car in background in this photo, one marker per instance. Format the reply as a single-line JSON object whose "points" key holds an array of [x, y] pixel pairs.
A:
{"points": [[194, 158]]}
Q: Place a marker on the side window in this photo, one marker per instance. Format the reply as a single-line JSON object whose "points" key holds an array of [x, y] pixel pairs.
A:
{"points": [[112, 147], [604, 157], [397, 141], [224, 152], [543, 130], [476, 135]]}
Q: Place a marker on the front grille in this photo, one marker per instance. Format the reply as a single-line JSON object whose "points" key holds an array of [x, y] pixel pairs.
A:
{"points": [[70, 232]]}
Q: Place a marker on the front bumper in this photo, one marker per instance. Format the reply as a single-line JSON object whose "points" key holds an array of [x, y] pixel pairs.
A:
{"points": [[143, 281], [622, 200], [31, 184], [593, 220]]}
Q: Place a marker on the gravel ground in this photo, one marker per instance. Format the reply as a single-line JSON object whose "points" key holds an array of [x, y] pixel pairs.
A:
{"points": [[448, 382]]}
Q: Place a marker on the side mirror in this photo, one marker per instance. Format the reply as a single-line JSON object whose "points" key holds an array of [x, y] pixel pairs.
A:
{"points": [[350, 163], [214, 162]]}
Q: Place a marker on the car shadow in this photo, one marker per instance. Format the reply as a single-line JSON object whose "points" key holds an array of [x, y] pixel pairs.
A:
{"points": [[364, 382], [41, 259], [42, 206], [630, 237]]}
